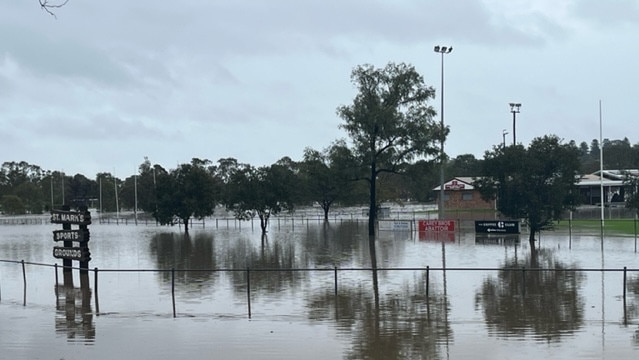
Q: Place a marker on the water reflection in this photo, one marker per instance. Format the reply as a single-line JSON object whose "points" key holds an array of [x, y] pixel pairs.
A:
{"points": [[632, 306], [74, 316], [185, 252], [410, 322], [331, 244], [505, 239], [268, 262], [545, 303], [374, 313]]}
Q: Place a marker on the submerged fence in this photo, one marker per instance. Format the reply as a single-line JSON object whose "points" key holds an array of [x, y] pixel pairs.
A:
{"points": [[523, 272]]}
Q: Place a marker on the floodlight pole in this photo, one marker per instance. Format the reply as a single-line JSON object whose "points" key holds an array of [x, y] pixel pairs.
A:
{"points": [[514, 108], [442, 50]]}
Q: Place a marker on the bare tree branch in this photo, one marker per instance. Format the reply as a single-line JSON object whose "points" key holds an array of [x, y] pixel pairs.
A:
{"points": [[48, 7]]}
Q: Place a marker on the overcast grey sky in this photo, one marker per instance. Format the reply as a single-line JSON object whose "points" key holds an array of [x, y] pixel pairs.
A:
{"points": [[106, 83]]}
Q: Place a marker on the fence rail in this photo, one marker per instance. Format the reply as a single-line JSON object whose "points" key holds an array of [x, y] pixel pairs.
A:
{"points": [[335, 270]]}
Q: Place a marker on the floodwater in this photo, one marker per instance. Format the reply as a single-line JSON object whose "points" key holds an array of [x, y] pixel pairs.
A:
{"points": [[432, 296]]}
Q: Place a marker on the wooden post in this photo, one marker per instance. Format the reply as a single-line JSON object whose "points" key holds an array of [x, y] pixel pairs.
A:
{"points": [[67, 264], [84, 245], [95, 285]]}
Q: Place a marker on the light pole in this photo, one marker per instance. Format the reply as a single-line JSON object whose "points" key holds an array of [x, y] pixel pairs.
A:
{"points": [[442, 50], [514, 108], [503, 135]]}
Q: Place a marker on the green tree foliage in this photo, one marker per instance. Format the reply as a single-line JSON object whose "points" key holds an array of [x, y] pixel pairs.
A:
{"points": [[617, 154], [23, 181], [263, 191], [421, 177], [13, 205], [108, 187], [146, 186], [31, 197], [326, 178], [186, 192], [631, 182], [464, 165], [83, 191], [389, 123], [535, 184]]}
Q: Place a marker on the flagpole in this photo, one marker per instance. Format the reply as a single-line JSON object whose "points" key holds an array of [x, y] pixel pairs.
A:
{"points": [[601, 167]]}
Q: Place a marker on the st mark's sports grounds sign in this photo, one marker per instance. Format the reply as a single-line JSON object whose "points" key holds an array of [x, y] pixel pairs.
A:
{"points": [[74, 241]]}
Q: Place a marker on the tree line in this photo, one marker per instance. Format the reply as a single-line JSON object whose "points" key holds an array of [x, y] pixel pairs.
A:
{"points": [[391, 155]]}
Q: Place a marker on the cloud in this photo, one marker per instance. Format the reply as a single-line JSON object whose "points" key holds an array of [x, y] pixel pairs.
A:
{"points": [[608, 13], [46, 56]]}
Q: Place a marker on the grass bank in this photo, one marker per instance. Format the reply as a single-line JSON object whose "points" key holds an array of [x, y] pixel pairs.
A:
{"points": [[615, 226]]}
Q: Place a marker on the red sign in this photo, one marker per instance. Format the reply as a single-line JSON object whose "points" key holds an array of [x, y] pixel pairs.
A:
{"points": [[455, 185], [436, 225], [442, 236]]}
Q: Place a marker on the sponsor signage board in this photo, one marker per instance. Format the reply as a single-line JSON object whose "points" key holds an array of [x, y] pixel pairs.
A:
{"points": [[436, 225], [497, 226], [399, 225]]}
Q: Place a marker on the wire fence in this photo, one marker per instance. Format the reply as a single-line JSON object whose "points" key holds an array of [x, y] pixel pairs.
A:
{"points": [[247, 272]]}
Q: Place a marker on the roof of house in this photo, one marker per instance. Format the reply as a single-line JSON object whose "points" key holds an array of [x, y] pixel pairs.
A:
{"points": [[606, 178], [609, 178], [458, 183]]}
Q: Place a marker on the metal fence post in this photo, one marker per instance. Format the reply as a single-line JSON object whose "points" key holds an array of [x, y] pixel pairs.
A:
{"points": [[625, 272], [523, 281], [335, 281], [625, 313], [427, 281], [248, 290], [24, 279], [95, 285], [173, 289]]}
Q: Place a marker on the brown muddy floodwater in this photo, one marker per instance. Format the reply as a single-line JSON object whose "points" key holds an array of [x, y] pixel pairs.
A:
{"points": [[227, 293]]}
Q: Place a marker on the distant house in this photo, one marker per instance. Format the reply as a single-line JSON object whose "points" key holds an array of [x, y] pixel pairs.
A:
{"points": [[612, 181], [460, 194]]}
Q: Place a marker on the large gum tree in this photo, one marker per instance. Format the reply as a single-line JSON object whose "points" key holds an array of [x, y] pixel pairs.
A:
{"points": [[390, 123]]}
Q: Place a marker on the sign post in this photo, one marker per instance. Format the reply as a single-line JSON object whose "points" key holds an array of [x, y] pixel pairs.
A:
{"points": [[68, 252]]}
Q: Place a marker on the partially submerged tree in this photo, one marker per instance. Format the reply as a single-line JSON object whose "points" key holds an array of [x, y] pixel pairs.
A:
{"points": [[186, 192], [390, 123], [536, 184], [326, 176], [263, 191]]}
